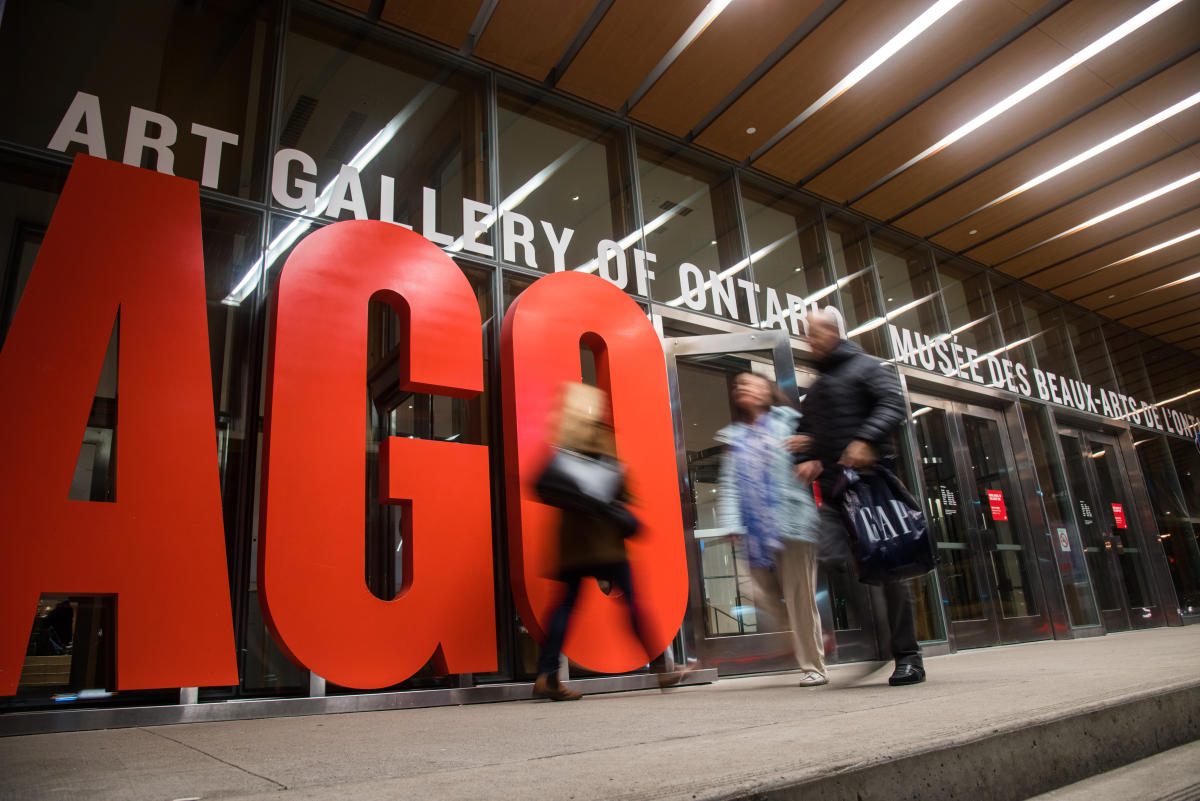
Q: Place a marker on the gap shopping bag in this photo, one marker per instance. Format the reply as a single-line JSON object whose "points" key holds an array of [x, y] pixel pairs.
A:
{"points": [[889, 536]]}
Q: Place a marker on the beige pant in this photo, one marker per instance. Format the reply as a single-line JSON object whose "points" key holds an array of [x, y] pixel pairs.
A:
{"points": [[794, 581]]}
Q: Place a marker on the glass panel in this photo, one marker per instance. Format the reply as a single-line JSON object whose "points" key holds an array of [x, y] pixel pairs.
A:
{"points": [[1128, 351], [943, 499], [1176, 529], [1051, 345], [908, 283], [560, 171], [691, 227], [400, 123], [855, 287], [183, 64], [1095, 542], [998, 504], [1091, 356], [1063, 529], [1130, 558], [786, 251], [969, 307], [1012, 326], [704, 387], [926, 609]]}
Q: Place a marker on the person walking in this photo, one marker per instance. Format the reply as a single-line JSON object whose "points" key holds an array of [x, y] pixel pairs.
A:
{"points": [[761, 499], [591, 535], [847, 419]]}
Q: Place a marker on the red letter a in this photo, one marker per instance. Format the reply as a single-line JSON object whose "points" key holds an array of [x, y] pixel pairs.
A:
{"points": [[121, 239]]}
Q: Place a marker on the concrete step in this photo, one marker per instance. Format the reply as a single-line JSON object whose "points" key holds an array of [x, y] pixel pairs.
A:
{"points": [[1173, 775], [998, 723]]}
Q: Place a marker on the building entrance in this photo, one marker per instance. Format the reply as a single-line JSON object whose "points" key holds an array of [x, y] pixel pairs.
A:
{"points": [[975, 506], [1109, 528], [723, 628]]}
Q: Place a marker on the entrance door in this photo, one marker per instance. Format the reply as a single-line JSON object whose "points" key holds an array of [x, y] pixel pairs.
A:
{"points": [[987, 565], [722, 623], [1108, 527]]}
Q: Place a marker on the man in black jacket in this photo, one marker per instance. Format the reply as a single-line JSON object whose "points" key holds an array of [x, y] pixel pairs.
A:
{"points": [[850, 412]]}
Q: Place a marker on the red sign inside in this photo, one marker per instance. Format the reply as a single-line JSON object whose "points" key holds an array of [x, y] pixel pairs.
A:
{"points": [[996, 501], [1119, 514]]}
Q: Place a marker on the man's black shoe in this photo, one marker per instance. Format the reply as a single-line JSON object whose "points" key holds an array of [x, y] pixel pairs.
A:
{"points": [[907, 674]]}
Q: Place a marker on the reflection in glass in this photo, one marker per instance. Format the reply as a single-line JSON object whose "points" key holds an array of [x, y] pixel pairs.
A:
{"points": [[1131, 560], [908, 283], [855, 282], [1177, 529], [1129, 351], [1051, 346], [704, 387], [997, 498], [691, 227], [786, 252], [559, 170], [1096, 542], [926, 609], [968, 306], [1091, 355], [1064, 532], [944, 509], [208, 64]]}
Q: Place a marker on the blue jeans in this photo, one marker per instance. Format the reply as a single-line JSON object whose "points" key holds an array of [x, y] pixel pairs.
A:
{"points": [[621, 579]]}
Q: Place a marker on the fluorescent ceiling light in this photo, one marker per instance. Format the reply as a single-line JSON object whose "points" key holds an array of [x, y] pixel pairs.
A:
{"points": [[1041, 82], [1152, 249], [879, 57], [873, 62], [1124, 207], [1090, 153], [698, 26], [896, 312]]}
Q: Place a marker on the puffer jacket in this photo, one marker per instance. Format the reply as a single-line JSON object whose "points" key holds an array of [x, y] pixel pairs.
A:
{"points": [[856, 397], [798, 513]]}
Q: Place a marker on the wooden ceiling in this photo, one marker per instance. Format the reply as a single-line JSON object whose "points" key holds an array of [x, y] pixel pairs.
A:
{"points": [[746, 86]]}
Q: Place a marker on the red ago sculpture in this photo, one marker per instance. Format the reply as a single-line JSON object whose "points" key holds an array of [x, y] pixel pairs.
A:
{"points": [[314, 594], [539, 351], [122, 240], [126, 239]]}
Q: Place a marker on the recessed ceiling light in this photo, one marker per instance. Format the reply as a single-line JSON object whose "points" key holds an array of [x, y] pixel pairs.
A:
{"points": [[713, 242], [1039, 83], [1110, 297], [576, 197], [972, 232], [751, 130]]}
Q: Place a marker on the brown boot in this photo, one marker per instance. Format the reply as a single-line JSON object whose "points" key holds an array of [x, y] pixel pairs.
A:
{"points": [[547, 685]]}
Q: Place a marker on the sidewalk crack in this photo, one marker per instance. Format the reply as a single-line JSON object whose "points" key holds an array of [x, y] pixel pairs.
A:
{"points": [[214, 756]]}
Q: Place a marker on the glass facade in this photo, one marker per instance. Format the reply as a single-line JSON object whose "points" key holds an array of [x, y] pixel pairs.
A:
{"points": [[295, 116]]}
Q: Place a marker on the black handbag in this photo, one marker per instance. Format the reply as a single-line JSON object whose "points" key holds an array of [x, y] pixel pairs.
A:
{"points": [[579, 483], [889, 535]]}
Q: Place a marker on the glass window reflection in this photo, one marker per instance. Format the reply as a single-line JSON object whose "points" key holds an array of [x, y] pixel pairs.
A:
{"points": [[564, 188]]}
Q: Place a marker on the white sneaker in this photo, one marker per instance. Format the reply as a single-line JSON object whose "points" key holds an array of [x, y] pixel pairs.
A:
{"points": [[812, 678]]}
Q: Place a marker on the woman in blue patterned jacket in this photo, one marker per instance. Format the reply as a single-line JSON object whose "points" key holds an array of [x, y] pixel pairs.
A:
{"points": [[761, 499]]}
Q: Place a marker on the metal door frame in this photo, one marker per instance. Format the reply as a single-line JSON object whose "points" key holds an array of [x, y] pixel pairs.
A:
{"points": [[725, 648]]}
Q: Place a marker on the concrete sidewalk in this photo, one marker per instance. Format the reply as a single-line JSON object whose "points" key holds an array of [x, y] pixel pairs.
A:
{"points": [[985, 720]]}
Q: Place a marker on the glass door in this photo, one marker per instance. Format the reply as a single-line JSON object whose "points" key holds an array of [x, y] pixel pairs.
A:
{"points": [[723, 628], [971, 497], [1109, 528]]}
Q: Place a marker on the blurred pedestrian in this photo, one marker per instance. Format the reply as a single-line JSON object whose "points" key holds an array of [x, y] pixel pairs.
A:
{"points": [[848, 417], [762, 500], [586, 481]]}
